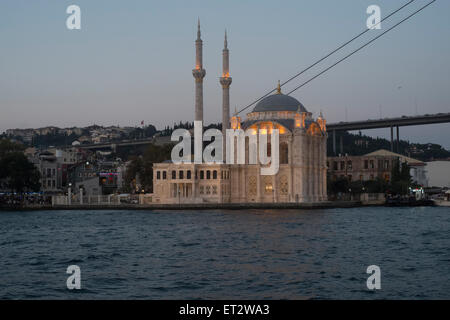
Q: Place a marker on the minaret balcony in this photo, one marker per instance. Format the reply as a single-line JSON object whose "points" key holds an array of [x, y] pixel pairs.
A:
{"points": [[199, 73], [225, 81]]}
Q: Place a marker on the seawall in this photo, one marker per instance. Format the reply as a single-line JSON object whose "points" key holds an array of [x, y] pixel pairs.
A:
{"points": [[191, 206]]}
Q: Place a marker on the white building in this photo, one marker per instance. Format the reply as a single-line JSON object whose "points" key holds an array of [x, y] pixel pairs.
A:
{"points": [[439, 173], [302, 155]]}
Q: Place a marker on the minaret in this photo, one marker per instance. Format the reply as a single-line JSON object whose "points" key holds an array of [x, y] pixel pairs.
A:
{"points": [[225, 81], [198, 73]]}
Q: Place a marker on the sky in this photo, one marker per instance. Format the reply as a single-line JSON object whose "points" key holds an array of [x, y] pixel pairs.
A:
{"points": [[133, 60]]}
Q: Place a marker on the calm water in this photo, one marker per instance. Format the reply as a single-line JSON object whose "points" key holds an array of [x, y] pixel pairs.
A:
{"points": [[251, 254]]}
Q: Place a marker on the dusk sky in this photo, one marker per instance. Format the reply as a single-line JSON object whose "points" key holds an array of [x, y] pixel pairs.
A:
{"points": [[133, 61]]}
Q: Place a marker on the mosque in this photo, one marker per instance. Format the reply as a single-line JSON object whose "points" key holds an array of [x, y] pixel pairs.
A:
{"points": [[302, 153]]}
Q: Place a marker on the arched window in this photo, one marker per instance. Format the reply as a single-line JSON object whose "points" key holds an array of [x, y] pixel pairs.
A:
{"points": [[208, 174], [284, 153], [188, 174], [215, 174], [202, 174], [174, 174]]}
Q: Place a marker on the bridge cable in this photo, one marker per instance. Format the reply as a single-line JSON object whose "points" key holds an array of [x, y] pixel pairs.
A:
{"points": [[325, 57], [360, 48]]}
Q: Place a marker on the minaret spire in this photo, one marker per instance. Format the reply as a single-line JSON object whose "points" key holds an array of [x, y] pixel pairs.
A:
{"points": [[225, 43], [198, 73], [225, 81]]}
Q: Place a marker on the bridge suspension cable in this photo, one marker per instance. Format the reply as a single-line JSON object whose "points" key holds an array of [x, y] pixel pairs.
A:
{"points": [[361, 47], [325, 57]]}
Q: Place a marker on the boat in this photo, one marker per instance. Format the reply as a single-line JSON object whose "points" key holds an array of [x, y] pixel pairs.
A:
{"points": [[443, 201]]}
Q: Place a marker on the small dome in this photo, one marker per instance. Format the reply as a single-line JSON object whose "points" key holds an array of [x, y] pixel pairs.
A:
{"points": [[279, 102]]}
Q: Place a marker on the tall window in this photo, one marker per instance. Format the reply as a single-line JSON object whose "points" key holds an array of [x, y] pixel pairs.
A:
{"points": [[181, 174], [188, 174], [202, 174], [174, 174], [208, 174], [284, 153], [164, 175], [215, 174], [158, 175]]}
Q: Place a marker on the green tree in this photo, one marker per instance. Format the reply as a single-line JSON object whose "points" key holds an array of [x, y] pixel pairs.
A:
{"points": [[7, 146], [16, 171], [401, 178], [142, 167], [339, 185]]}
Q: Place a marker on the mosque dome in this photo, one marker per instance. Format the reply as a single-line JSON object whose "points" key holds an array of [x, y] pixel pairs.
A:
{"points": [[279, 102]]}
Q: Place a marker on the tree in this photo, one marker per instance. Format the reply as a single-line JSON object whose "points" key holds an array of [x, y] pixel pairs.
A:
{"points": [[142, 167], [339, 185], [16, 171], [401, 178], [7, 146]]}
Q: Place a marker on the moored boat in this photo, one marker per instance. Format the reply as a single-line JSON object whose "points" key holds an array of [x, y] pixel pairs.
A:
{"points": [[443, 201]]}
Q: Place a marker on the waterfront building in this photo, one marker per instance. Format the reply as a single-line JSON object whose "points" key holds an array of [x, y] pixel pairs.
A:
{"points": [[374, 165], [302, 154], [96, 178], [50, 169]]}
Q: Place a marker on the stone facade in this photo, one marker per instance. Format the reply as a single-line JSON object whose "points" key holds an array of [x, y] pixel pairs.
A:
{"points": [[302, 155], [374, 165]]}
